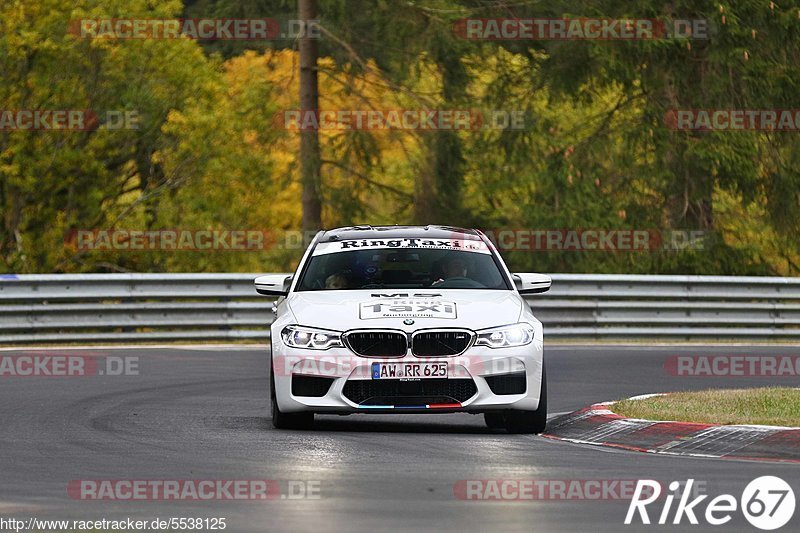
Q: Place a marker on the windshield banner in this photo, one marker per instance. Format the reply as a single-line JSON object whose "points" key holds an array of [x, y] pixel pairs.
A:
{"points": [[374, 244]]}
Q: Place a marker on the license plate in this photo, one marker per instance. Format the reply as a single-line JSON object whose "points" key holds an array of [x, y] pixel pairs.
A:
{"points": [[409, 371]]}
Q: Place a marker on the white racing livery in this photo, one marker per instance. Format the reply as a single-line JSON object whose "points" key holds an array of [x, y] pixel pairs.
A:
{"points": [[406, 319]]}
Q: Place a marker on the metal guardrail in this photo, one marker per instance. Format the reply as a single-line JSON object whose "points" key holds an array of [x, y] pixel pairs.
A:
{"points": [[168, 307]]}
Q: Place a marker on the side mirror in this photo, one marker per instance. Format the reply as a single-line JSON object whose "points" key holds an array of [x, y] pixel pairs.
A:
{"points": [[273, 284], [532, 283]]}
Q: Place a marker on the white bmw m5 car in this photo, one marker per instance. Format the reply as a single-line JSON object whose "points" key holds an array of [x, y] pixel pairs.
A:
{"points": [[406, 319]]}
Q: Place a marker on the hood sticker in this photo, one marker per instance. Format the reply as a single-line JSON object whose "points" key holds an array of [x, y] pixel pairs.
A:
{"points": [[415, 308]]}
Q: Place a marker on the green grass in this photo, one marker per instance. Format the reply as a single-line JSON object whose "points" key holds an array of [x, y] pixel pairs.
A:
{"points": [[771, 406]]}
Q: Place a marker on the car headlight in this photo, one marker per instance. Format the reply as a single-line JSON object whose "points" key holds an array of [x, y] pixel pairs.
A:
{"points": [[506, 336], [311, 338]]}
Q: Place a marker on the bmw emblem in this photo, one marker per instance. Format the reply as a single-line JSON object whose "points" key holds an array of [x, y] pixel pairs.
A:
{"points": [[408, 322]]}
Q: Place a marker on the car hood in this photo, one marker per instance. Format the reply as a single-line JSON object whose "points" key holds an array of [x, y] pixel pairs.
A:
{"points": [[343, 310]]}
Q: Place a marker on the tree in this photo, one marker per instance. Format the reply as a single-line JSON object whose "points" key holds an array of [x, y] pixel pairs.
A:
{"points": [[52, 182], [310, 161]]}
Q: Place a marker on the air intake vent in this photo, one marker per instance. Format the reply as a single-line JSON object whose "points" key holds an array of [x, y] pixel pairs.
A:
{"points": [[515, 383], [439, 343], [404, 393], [376, 343], [310, 386]]}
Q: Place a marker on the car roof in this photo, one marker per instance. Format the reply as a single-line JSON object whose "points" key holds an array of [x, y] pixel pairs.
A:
{"points": [[399, 232]]}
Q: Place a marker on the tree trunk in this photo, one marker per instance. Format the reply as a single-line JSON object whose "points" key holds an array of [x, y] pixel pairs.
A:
{"points": [[310, 160], [425, 192]]}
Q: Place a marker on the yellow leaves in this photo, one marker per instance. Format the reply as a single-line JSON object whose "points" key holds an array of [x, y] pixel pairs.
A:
{"points": [[250, 137], [273, 76], [175, 117], [742, 224]]}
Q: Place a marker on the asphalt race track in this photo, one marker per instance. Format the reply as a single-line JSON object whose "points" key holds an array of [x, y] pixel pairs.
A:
{"points": [[202, 413]]}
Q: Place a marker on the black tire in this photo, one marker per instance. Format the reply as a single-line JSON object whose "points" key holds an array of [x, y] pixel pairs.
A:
{"points": [[530, 421], [495, 420], [281, 420]]}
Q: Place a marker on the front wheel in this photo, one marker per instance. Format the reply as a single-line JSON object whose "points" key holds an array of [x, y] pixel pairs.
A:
{"points": [[530, 421], [282, 420]]}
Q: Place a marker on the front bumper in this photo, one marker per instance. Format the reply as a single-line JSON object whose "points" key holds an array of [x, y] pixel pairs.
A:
{"points": [[472, 393]]}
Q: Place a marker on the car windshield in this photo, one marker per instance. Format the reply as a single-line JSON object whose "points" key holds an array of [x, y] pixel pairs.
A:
{"points": [[409, 268]]}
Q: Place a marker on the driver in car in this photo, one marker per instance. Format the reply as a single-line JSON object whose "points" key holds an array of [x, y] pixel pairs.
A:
{"points": [[454, 270], [336, 281]]}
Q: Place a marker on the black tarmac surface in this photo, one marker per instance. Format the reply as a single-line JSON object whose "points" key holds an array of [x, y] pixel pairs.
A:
{"points": [[202, 413]]}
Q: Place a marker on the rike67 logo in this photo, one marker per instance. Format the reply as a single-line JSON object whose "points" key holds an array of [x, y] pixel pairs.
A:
{"points": [[767, 503]]}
